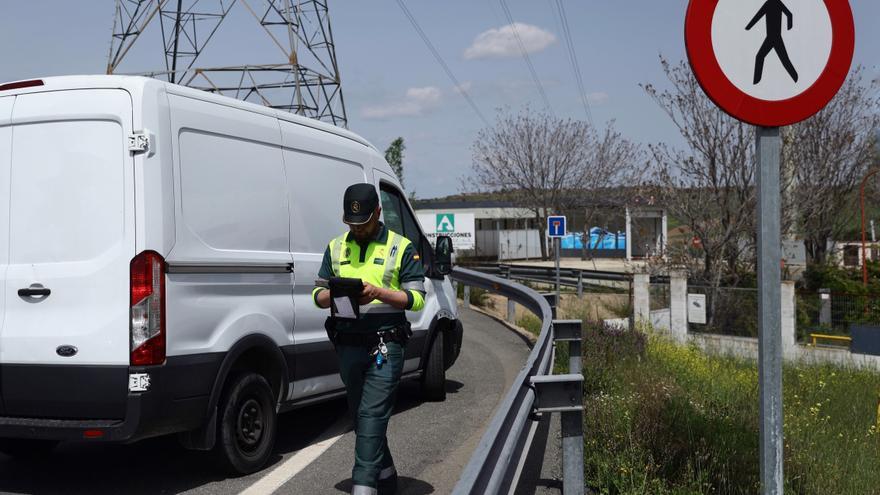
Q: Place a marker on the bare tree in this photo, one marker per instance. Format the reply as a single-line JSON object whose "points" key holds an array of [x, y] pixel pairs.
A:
{"points": [[830, 153], [708, 185], [544, 163], [615, 165]]}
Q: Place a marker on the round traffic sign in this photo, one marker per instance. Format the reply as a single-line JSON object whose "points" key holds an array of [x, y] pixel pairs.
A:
{"points": [[770, 62]]}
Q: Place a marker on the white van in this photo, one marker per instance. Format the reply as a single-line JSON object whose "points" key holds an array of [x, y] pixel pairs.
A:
{"points": [[158, 249]]}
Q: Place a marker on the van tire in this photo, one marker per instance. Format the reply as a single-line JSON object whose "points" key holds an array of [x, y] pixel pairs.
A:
{"points": [[246, 427], [434, 376], [25, 449]]}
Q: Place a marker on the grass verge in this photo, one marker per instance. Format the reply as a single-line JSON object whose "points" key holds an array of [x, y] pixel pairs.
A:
{"points": [[668, 419]]}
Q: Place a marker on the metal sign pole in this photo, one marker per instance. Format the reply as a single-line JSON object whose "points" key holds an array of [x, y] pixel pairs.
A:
{"points": [[556, 242], [769, 150]]}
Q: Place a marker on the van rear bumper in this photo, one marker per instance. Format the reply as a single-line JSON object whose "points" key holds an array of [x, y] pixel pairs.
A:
{"points": [[74, 429], [176, 401]]}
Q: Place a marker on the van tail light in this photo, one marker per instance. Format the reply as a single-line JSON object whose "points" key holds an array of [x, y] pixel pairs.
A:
{"points": [[147, 310]]}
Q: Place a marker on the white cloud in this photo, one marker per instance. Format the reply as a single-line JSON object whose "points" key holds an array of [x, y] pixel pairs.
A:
{"points": [[463, 87], [597, 98], [502, 42], [417, 101]]}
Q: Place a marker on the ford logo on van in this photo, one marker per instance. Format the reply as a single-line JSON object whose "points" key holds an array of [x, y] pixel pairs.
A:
{"points": [[66, 351]]}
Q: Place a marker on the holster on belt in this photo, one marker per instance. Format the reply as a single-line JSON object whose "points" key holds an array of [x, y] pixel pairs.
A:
{"points": [[403, 333], [330, 327]]}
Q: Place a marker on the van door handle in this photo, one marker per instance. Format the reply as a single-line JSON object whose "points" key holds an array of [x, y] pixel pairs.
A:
{"points": [[29, 292]]}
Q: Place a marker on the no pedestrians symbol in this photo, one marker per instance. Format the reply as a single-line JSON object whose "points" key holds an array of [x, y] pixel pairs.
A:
{"points": [[770, 62]]}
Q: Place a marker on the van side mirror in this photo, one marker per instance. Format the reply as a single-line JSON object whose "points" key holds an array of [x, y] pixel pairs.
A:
{"points": [[443, 255]]}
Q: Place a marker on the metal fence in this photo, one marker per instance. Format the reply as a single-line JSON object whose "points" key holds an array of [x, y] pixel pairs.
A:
{"points": [[832, 313], [729, 311], [498, 458], [658, 296]]}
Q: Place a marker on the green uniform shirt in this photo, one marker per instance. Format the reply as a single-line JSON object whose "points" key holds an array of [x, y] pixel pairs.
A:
{"points": [[368, 261]]}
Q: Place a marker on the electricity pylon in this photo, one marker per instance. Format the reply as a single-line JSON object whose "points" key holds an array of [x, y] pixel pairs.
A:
{"points": [[304, 79]]}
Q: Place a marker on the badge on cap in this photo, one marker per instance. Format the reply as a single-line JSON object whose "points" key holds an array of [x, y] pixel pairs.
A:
{"points": [[355, 207]]}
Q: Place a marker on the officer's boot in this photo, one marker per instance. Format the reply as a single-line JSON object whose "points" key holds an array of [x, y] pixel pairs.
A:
{"points": [[388, 481]]}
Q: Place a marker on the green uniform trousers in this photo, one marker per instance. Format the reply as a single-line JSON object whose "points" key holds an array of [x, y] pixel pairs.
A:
{"points": [[371, 391]]}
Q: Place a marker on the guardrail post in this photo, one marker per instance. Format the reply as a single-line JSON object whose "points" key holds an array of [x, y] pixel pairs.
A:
{"points": [[467, 296], [550, 297], [511, 311], [572, 420], [570, 331], [580, 284], [572, 452], [565, 394]]}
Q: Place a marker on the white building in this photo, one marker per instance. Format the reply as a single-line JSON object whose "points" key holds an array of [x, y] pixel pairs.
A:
{"points": [[506, 231]]}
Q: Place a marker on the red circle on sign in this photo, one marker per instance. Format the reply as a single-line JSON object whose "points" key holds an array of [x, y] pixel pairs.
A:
{"points": [[768, 113]]}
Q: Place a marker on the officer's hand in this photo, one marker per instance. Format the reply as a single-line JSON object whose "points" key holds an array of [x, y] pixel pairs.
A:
{"points": [[370, 293]]}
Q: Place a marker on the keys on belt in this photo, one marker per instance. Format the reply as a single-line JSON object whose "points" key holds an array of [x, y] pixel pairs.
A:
{"points": [[380, 352]]}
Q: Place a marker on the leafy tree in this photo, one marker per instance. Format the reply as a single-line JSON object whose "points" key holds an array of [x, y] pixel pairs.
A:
{"points": [[394, 157]]}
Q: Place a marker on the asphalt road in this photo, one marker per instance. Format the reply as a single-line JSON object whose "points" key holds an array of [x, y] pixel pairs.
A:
{"points": [[431, 442]]}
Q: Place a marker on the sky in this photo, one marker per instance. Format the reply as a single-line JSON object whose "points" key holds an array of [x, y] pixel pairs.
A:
{"points": [[394, 87]]}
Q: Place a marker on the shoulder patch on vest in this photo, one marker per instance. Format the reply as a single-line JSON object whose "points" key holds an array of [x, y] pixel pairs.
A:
{"points": [[379, 261]]}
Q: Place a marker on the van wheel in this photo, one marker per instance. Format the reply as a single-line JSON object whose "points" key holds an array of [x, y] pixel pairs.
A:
{"points": [[434, 376], [246, 427], [26, 450]]}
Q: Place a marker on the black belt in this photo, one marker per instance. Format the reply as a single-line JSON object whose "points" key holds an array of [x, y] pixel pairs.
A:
{"points": [[371, 339]]}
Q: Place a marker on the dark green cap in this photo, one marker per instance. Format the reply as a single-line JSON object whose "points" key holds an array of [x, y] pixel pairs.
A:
{"points": [[358, 204]]}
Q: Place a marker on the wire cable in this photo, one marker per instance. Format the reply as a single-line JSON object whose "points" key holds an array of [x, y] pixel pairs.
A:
{"points": [[461, 90], [572, 56], [525, 54]]}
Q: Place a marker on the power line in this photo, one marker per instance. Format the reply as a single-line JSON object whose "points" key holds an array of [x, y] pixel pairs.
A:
{"points": [[572, 56], [442, 62], [525, 54]]}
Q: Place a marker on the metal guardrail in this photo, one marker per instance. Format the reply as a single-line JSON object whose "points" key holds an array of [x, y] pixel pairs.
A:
{"points": [[496, 462], [549, 273]]}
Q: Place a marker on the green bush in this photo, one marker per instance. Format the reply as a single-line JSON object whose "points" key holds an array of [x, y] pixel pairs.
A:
{"points": [[606, 348], [844, 280], [530, 323]]}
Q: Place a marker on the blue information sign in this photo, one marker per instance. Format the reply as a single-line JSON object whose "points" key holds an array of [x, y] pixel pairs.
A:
{"points": [[556, 226]]}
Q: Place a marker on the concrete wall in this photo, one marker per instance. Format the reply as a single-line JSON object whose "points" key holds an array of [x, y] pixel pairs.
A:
{"points": [[519, 244], [486, 243], [674, 322]]}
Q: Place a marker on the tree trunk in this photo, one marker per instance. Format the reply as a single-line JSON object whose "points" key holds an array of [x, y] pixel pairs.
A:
{"points": [[817, 250], [542, 220], [585, 239]]}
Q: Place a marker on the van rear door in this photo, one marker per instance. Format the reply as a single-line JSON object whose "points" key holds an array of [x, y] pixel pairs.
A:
{"points": [[5, 158], [64, 347]]}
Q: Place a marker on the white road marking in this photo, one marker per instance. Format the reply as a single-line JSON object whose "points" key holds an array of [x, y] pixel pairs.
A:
{"points": [[276, 478]]}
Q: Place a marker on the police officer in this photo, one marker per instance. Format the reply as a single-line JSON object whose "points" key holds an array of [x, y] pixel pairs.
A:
{"points": [[371, 348]]}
